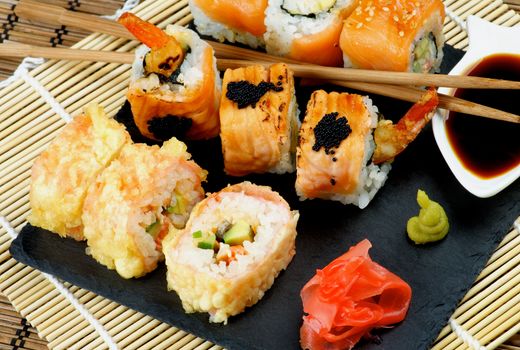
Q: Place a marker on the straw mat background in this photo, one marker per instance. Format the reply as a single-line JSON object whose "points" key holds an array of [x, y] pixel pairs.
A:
{"points": [[490, 311]]}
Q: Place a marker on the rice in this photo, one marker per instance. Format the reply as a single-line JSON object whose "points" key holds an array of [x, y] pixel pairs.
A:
{"points": [[221, 289]]}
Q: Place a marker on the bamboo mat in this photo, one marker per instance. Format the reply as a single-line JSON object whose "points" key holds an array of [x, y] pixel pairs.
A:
{"points": [[490, 311]]}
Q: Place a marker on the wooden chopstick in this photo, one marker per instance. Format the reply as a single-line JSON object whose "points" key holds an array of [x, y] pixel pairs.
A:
{"points": [[34, 10], [398, 92]]}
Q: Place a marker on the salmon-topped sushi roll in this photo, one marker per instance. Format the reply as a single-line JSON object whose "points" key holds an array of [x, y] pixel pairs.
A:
{"points": [[307, 30], [335, 148], [259, 120], [175, 86], [239, 21], [234, 245], [404, 35], [136, 201], [62, 174]]}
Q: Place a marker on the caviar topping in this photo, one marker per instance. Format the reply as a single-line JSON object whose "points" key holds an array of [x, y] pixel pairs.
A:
{"points": [[246, 94], [330, 132]]}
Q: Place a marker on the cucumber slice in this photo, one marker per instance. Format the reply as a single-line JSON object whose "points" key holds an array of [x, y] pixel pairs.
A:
{"points": [[154, 229]]}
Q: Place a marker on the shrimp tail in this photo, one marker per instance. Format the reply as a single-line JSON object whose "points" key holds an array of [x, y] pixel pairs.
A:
{"points": [[391, 139], [145, 32]]}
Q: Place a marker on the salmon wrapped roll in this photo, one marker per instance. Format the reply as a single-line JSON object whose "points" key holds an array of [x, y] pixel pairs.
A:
{"points": [[403, 36], [62, 174], [175, 86], [308, 30], [239, 21], [136, 201], [234, 245], [259, 120], [335, 148]]}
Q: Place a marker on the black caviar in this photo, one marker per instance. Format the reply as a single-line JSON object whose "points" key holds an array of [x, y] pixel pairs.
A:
{"points": [[246, 94], [164, 128], [330, 131]]}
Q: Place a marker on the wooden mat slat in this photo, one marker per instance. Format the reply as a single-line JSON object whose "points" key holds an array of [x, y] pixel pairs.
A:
{"points": [[27, 124]]}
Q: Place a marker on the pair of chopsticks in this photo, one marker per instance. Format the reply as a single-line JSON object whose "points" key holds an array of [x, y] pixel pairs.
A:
{"points": [[391, 84]]}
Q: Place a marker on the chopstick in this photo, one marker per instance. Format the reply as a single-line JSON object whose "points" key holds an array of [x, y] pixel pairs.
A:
{"points": [[56, 15], [398, 92]]}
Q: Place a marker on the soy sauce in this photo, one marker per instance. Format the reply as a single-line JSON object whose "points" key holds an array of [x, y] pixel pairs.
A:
{"points": [[486, 147]]}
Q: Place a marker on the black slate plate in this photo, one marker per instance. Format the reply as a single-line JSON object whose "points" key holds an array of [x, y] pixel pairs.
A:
{"points": [[439, 274]]}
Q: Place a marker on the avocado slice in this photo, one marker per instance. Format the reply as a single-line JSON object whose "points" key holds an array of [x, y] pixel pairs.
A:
{"points": [[238, 233], [179, 207], [154, 229]]}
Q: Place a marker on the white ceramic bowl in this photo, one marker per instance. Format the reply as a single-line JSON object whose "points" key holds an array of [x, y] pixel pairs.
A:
{"points": [[484, 39]]}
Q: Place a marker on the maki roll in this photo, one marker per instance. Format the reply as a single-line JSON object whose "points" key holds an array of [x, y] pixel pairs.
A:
{"points": [[62, 174], [234, 245], [335, 147], [136, 201], [307, 30], [403, 36], [259, 120], [175, 86], [235, 21]]}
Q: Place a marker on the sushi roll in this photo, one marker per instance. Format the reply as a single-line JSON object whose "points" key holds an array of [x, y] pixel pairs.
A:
{"points": [[234, 245], [136, 201], [404, 36], [175, 86], [259, 120], [307, 30], [239, 21], [62, 174], [333, 159]]}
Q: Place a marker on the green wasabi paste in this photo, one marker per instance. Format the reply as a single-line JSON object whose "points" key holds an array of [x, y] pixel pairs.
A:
{"points": [[431, 224]]}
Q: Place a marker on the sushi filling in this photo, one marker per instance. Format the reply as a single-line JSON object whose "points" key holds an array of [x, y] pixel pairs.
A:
{"points": [[166, 64], [425, 54], [226, 240], [307, 8]]}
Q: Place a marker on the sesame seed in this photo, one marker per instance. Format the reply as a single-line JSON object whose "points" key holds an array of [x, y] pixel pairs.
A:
{"points": [[386, 9], [368, 19], [401, 33], [359, 25], [396, 18], [371, 13]]}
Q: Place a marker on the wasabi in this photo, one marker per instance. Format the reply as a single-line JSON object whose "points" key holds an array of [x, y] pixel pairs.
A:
{"points": [[431, 224]]}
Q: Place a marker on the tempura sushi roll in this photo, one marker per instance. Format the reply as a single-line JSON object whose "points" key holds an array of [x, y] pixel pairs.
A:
{"points": [[307, 30], [403, 36], [175, 86], [62, 174], [234, 245], [333, 159], [259, 120], [239, 21], [136, 201]]}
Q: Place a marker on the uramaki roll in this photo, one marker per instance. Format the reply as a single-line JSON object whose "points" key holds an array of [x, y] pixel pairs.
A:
{"points": [[259, 120], [175, 86], [307, 31], [401, 36], [232, 20], [336, 143], [220, 278], [62, 174], [136, 201]]}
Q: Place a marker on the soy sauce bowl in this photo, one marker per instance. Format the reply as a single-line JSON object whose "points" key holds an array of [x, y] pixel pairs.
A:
{"points": [[485, 39]]}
